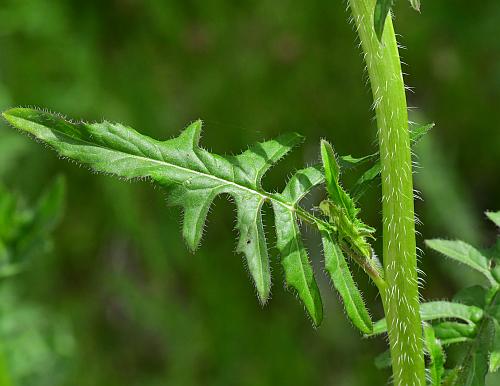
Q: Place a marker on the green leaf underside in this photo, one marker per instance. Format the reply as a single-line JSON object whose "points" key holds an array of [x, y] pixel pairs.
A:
{"points": [[336, 266], [474, 366], [495, 217], [193, 177], [436, 355], [439, 310], [463, 253]]}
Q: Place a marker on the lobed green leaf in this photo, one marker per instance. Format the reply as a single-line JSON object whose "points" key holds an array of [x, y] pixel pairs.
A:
{"points": [[193, 177]]}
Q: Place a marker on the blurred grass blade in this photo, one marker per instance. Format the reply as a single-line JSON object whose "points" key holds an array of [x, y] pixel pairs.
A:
{"points": [[463, 253], [436, 355], [341, 208], [439, 310], [336, 193], [294, 259], [336, 266], [46, 215], [50, 206]]}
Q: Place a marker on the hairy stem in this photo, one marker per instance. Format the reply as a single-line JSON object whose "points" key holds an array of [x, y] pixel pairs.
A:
{"points": [[400, 298]]}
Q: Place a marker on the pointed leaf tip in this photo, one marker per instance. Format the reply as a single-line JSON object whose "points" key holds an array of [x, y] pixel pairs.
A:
{"points": [[495, 217], [415, 5]]}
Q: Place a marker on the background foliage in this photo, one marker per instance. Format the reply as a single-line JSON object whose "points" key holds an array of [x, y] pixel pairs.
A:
{"points": [[128, 303]]}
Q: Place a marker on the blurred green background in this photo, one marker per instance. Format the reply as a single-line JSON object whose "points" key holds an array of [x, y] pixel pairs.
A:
{"points": [[118, 300]]}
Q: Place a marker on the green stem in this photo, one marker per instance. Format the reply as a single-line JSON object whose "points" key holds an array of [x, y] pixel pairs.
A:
{"points": [[400, 298]]}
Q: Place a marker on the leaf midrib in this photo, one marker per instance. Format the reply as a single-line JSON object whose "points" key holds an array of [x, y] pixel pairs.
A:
{"points": [[261, 194]]}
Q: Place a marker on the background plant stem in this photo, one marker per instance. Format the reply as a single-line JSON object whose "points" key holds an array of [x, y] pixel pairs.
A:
{"points": [[400, 298]]}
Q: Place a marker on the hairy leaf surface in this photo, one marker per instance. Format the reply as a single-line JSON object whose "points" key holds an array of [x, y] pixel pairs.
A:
{"points": [[193, 177], [495, 217], [336, 266], [415, 4]]}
